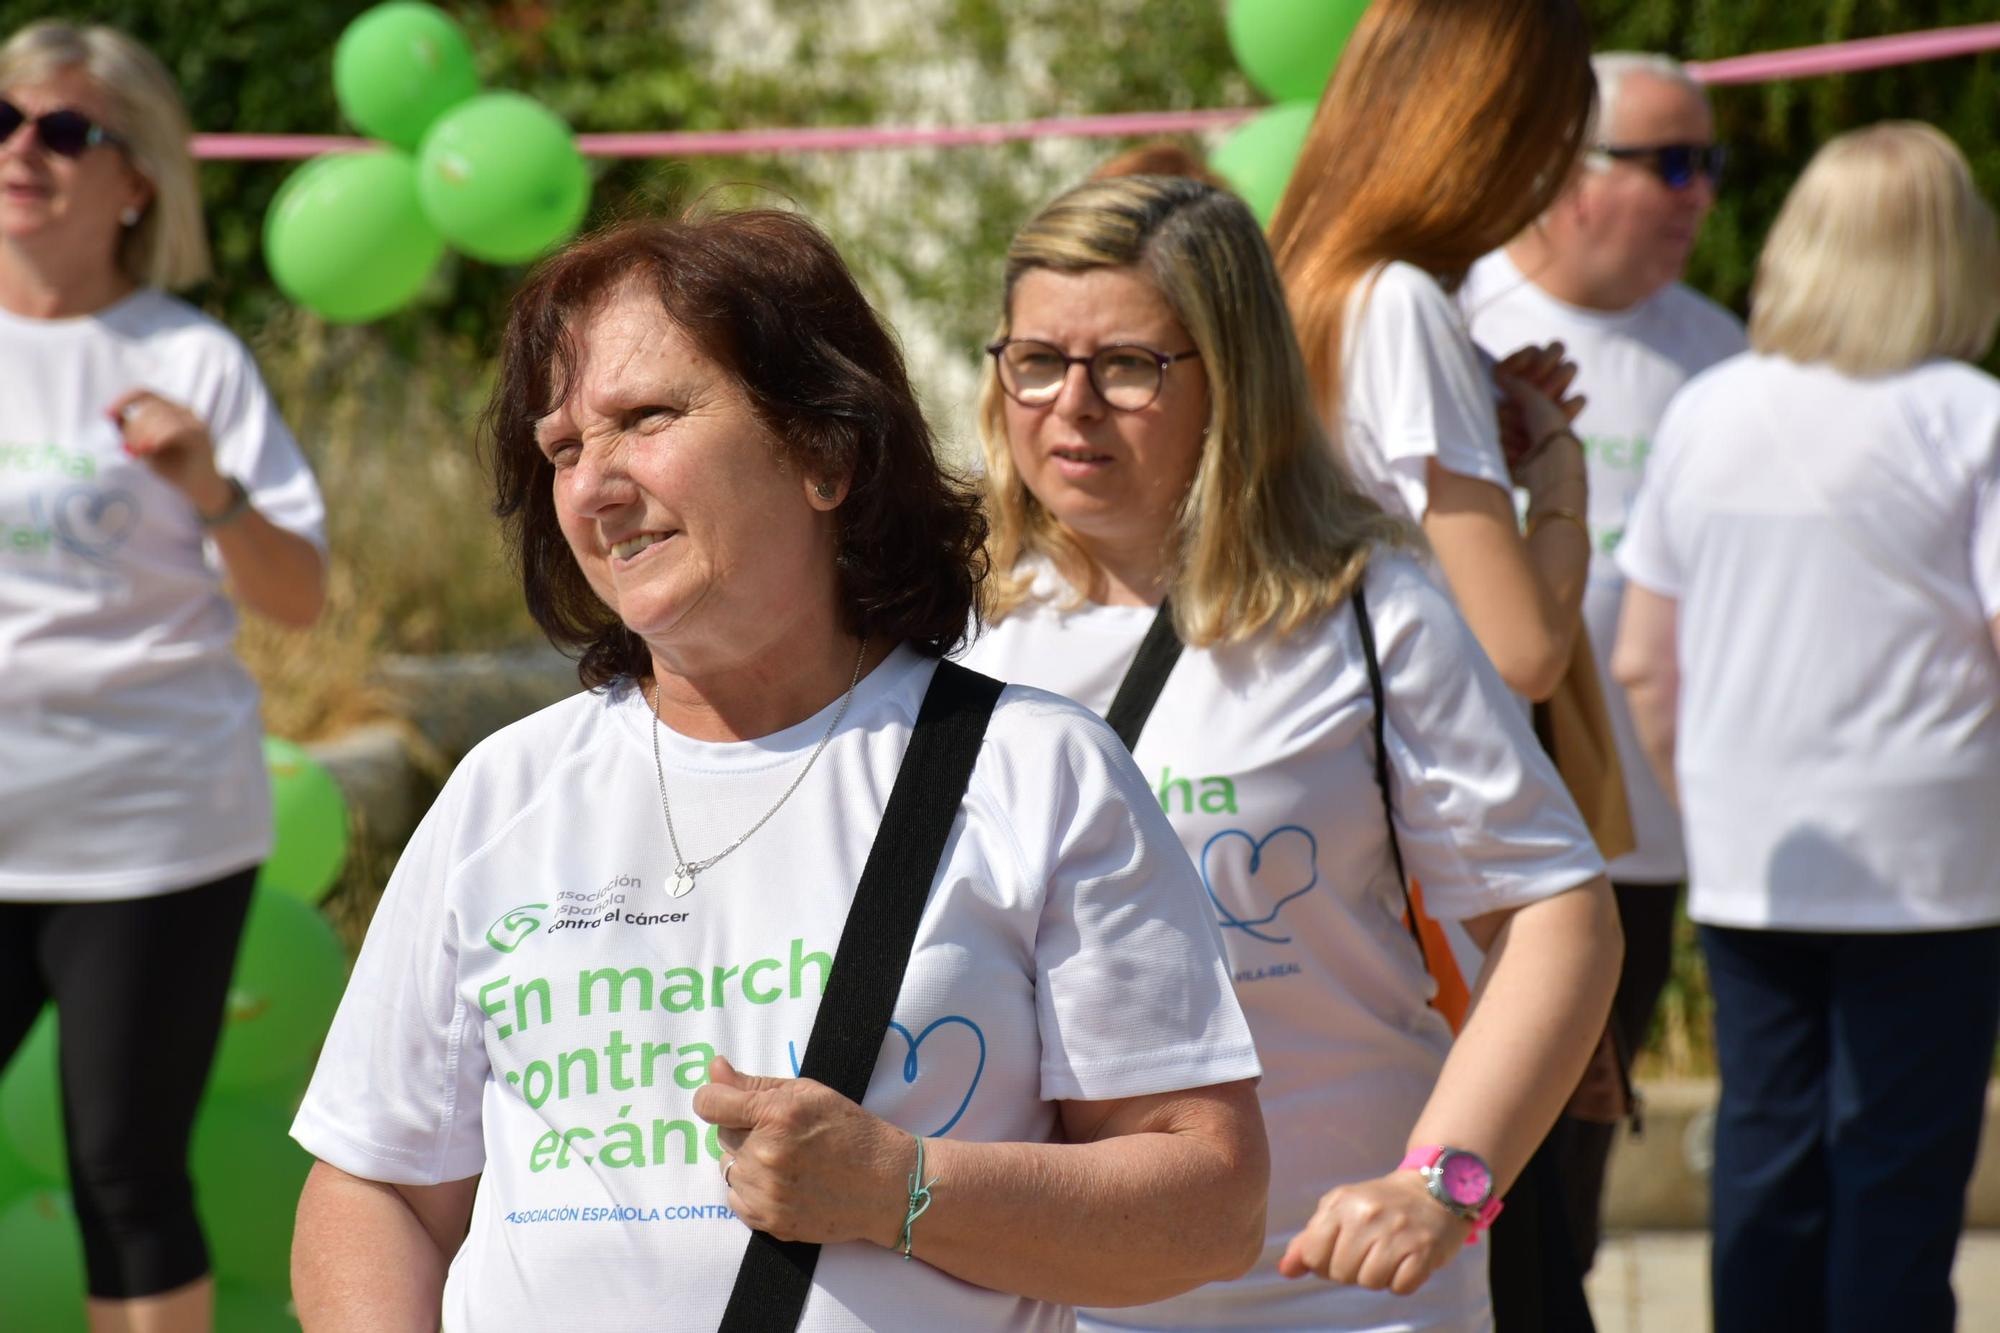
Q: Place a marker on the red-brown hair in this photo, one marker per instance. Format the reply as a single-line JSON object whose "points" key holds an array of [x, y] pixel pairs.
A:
{"points": [[1449, 126], [765, 294]]}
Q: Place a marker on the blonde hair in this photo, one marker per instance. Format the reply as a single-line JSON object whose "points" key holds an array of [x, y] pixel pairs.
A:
{"points": [[1272, 532], [1884, 255], [168, 246], [1449, 126]]}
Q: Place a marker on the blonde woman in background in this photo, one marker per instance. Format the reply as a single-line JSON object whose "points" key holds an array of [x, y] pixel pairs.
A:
{"points": [[1150, 442], [1809, 645], [143, 468]]}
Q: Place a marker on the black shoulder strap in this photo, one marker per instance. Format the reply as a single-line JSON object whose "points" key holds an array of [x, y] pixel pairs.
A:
{"points": [[776, 1276], [1367, 628], [1145, 678]]}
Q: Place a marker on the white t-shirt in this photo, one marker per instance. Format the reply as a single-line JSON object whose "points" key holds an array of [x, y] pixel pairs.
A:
{"points": [[1262, 755], [1629, 364], [131, 733], [1834, 547], [1414, 388], [527, 984]]}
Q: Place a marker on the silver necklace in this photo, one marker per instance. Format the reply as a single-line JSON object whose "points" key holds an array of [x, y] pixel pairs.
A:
{"points": [[686, 870]]}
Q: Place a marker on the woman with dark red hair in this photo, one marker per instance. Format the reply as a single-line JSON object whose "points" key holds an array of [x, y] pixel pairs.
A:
{"points": [[537, 1104]]}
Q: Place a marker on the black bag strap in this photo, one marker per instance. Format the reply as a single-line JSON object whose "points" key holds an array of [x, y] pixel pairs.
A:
{"points": [[776, 1275], [1145, 678], [1375, 692]]}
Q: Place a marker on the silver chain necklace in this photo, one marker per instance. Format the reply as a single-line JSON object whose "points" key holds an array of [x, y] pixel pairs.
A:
{"points": [[686, 870]]}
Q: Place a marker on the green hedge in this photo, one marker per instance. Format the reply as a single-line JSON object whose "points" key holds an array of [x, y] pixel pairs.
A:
{"points": [[629, 64]]}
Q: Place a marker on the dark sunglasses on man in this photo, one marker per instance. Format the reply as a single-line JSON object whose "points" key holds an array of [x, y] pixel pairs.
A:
{"points": [[64, 131], [1676, 164]]}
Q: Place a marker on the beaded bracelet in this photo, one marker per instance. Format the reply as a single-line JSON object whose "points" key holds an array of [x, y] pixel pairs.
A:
{"points": [[1552, 513], [920, 1196]]}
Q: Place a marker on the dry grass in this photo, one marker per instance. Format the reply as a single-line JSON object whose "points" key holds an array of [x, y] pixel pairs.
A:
{"points": [[416, 561]]}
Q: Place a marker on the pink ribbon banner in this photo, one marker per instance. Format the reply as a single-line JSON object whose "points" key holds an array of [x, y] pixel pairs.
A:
{"points": [[1800, 63]]}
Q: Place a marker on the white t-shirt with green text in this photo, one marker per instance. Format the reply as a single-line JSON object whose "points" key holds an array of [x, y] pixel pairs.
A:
{"points": [[531, 1005], [131, 761], [1262, 754], [1630, 364]]}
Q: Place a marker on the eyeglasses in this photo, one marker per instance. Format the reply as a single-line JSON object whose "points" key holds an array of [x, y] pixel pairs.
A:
{"points": [[64, 132], [1676, 164], [1126, 376]]}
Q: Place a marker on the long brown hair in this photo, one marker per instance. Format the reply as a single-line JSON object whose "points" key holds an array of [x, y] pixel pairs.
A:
{"points": [[1450, 125]]}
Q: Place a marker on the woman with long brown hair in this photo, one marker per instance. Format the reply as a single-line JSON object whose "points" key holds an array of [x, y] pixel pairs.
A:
{"points": [[1474, 114], [1449, 127]]}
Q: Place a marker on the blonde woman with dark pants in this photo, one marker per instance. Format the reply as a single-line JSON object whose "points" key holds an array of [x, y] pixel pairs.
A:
{"points": [[1811, 645]]}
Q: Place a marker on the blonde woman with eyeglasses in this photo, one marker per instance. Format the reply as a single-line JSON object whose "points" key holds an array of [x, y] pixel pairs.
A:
{"points": [[1156, 477], [147, 488]]}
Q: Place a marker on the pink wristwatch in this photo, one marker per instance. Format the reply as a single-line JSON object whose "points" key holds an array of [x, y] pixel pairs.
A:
{"points": [[1460, 1181]]}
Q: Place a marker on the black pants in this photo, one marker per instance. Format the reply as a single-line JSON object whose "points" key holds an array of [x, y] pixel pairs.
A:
{"points": [[1646, 911], [1854, 1073], [139, 986]]}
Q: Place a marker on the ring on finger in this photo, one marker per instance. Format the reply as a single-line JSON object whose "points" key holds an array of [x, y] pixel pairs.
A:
{"points": [[728, 1165]]}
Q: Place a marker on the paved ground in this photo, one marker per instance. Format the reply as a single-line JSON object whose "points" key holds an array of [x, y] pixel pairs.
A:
{"points": [[1657, 1282]]}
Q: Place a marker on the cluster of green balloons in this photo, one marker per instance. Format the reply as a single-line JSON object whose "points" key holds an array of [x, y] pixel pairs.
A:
{"points": [[290, 970], [355, 236], [1289, 49]]}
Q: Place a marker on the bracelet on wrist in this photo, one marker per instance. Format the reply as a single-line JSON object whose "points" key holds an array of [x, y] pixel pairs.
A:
{"points": [[1558, 433], [232, 509], [1538, 517], [920, 1198]]}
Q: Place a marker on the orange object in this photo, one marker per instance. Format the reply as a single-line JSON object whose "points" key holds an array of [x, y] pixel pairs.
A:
{"points": [[1453, 997]]}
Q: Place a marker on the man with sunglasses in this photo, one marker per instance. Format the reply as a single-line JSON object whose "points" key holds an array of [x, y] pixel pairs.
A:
{"points": [[1600, 272]]}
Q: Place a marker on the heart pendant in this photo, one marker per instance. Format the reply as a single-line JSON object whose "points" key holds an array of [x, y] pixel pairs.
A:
{"points": [[683, 884]]}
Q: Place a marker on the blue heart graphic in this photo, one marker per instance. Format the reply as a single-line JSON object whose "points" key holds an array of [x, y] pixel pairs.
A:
{"points": [[1249, 925], [911, 1069], [93, 523]]}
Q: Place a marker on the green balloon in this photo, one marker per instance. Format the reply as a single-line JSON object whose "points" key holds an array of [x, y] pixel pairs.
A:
{"points": [[31, 1106], [1289, 47], [247, 1177], [1258, 156], [398, 68], [346, 236], [41, 1265], [501, 178], [290, 970], [309, 823], [240, 1309], [16, 1176]]}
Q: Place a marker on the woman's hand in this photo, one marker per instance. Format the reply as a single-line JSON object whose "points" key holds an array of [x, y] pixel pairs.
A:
{"points": [[1384, 1234], [171, 440], [805, 1163]]}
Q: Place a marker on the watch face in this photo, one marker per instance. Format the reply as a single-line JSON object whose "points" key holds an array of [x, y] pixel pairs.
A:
{"points": [[1465, 1178]]}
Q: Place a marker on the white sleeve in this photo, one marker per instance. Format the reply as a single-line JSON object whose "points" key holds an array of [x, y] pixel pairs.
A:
{"points": [[396, 1094], [1415, 382], [1986, 530], [1484, 818], [1646, 553], [253, 445], [1132, 994]]}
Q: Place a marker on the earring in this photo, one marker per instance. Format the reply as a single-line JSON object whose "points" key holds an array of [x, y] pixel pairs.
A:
{"points": [[128, 216], [823, 489]]}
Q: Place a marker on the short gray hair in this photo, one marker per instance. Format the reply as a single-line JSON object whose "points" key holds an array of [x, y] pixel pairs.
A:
{"points": [[168, 246], [1614, 67]]}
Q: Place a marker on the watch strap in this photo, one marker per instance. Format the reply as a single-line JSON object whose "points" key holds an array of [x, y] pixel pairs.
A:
{"points": [[239, 500], [1424, 1158]]}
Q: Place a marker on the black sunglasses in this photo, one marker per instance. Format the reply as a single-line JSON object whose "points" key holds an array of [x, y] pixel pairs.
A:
{"points": [[63, 132], [1676, 164]]}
